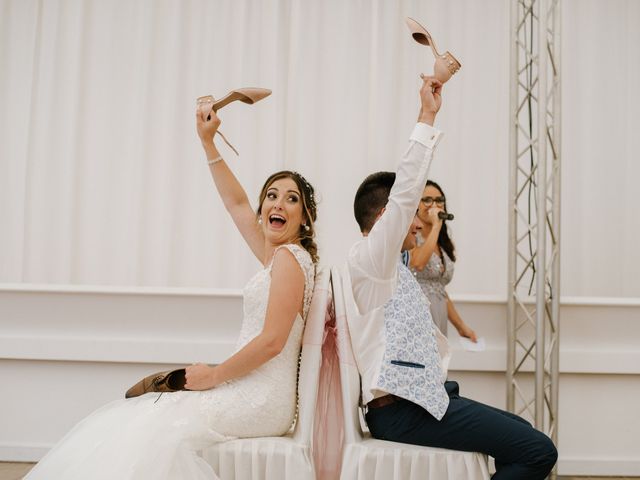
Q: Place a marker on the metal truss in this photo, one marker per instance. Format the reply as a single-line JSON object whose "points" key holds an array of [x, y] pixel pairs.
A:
{"points": [[534, 214]]}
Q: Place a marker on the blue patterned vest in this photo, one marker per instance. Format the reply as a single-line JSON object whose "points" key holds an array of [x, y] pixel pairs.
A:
{"points": [[411, 367]]}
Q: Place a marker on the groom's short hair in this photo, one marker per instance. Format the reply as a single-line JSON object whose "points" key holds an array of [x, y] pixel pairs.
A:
{"points": [[371, 197]]}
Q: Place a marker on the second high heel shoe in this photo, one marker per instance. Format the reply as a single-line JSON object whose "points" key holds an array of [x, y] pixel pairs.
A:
{"points": [[248, 95], [446, 64]]}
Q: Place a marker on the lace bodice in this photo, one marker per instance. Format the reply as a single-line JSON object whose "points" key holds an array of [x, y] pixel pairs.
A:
{"points": [[256, 298], [262, 402]]}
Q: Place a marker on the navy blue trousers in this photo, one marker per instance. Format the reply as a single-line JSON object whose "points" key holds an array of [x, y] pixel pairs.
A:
{"points": [[521, 452]]}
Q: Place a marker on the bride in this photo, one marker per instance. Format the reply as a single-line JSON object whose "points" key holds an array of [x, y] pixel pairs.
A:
{"points": [[253, 393]]}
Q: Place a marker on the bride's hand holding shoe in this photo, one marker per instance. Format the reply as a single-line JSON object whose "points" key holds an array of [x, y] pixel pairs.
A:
{"points": [[207, 123], [200, 376]]}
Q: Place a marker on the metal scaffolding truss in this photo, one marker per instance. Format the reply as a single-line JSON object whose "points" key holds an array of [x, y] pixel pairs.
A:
{"points": [[534, 213]]}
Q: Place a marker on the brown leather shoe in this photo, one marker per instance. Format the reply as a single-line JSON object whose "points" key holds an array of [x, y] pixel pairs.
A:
{"points": [[170, 381]]}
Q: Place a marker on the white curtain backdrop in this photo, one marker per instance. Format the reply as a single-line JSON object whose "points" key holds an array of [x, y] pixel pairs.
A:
{"points": [[102, 179]]}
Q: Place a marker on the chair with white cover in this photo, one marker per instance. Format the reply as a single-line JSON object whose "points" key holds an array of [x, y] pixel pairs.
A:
{"points": [[367, 458], [288, 457]]}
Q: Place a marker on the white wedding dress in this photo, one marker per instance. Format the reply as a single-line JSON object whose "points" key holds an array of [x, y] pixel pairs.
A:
{"points": [[155, 438]]}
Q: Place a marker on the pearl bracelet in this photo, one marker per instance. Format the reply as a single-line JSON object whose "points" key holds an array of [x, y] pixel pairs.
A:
{"points": [[214, 160]]}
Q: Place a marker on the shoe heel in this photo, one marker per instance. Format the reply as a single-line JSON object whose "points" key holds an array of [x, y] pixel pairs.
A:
{"points": [[445, 65]]}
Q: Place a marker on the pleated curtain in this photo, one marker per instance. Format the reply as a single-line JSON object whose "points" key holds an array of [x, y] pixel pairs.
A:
{"points": [[103, 181]]}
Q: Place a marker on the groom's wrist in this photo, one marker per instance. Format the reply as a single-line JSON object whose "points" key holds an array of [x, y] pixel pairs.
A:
{"points": [[427, 117]]}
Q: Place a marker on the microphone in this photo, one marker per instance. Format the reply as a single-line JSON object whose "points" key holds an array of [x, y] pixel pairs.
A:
{"points": [[445, 216]]}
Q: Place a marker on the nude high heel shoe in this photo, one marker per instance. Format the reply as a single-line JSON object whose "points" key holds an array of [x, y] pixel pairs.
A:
{"points": [[248, 95], [446, 64]]}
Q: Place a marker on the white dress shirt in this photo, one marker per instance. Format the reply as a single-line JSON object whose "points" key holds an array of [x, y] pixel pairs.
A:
{"points": [[370, 275]]}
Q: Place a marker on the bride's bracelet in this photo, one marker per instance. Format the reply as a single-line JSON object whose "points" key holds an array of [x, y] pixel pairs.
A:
{"points": [[211, 161]]}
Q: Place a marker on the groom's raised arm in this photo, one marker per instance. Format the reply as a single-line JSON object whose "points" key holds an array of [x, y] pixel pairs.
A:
{"points": [[372, 261]]}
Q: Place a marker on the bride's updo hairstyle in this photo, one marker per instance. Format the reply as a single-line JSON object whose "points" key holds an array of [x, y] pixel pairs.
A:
{"points": [[309, 208]]}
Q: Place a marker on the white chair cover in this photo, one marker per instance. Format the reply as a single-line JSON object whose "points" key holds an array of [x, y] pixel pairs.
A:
{"points": [[288, 457], [366, 458]]}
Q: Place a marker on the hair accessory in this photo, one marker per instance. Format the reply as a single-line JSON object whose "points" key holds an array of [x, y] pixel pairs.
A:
{"points": [[309, 188]]}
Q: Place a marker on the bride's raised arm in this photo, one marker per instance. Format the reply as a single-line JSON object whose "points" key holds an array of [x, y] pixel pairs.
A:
{"points": [[233, 195]]}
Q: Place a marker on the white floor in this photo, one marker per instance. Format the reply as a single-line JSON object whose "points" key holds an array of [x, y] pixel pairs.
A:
{"points": [[15, 471]]}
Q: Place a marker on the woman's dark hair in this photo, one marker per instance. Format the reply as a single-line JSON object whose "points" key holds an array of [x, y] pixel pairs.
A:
{"points": [[309, 208], [444, 241]]}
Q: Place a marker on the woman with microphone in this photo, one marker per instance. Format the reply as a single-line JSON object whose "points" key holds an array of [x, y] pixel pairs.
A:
{"points": [[432, 260]]}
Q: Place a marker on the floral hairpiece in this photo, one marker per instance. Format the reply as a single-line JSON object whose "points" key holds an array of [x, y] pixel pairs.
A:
{"points": [[309, 188]]}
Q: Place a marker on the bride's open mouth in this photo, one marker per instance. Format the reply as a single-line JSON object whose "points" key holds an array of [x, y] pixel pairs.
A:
{"points": [[277, 221]]}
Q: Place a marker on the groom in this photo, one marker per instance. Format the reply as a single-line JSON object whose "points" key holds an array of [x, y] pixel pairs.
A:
{"points": [[401, 356]]}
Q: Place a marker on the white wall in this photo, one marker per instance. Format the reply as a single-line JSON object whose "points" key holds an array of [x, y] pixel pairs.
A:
{"points": [[65, 352]]}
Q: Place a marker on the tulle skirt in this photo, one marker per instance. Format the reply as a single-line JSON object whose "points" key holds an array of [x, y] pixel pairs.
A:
{"points": [[159, 437], [141, 438]]}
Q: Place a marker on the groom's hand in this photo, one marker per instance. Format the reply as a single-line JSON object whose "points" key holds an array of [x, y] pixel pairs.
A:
{"points": [[430, 99]]}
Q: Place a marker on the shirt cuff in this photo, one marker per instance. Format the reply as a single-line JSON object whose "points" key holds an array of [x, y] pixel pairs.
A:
{"points": [[427, 135]]}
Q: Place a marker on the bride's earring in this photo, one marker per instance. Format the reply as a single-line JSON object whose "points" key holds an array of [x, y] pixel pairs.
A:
{"points": [[306, 227], [259, 220]]}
